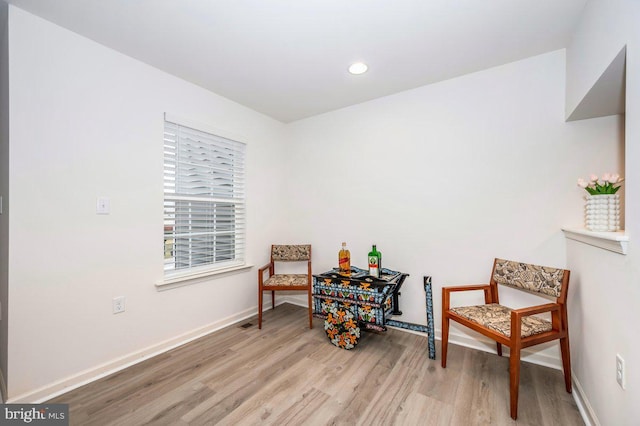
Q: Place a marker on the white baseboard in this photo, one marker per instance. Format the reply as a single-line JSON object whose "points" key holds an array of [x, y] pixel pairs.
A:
{"points": [[293, 300], [52, 390], [586, 410]]}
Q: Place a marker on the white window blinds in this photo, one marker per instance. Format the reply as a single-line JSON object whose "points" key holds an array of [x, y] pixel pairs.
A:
{"points": [[204, 201]]}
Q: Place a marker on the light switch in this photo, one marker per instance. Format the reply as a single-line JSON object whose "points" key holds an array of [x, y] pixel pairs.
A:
{"points": [[103, 205]]}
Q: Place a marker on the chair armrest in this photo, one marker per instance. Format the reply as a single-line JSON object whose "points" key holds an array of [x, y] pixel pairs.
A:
{"points": [[466, 287], [263, 268], [517, 314], [446, 293], [267, 267], [538, 309]]}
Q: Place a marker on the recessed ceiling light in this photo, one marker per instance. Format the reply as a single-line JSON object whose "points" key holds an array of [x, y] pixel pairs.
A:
{"points": [[358, 68]]}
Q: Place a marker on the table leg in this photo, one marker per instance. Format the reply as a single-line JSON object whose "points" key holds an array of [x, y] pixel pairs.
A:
{"points": [[429, 296], [396, 293], [418, 327]]}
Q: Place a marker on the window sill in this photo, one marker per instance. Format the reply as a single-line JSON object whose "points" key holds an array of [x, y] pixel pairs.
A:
{"points": [[186, 279], [613, 241]]}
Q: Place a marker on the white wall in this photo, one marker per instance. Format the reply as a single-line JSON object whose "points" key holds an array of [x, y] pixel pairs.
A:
{"points": [[4, 192], [604, 319], [87, 121], [446, 177]]}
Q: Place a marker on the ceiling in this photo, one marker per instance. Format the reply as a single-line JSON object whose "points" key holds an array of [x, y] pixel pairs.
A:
{"points": [[288, 58]]}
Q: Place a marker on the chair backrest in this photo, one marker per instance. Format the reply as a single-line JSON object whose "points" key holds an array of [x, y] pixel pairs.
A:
{"points": [[290, 253], [537, 279]]}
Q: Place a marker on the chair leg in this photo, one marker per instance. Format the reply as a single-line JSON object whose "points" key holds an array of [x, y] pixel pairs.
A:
{"points": [[260, 308], [273, 300], [310, 312], [566, 362], [499, 346], [445, 339], [514, 379]]}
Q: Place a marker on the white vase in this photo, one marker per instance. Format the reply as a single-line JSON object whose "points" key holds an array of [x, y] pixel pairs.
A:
{"points": [[602, 212]]}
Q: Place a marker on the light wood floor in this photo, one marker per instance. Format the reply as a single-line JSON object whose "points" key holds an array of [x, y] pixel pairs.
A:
{"points": [[288, 374]]}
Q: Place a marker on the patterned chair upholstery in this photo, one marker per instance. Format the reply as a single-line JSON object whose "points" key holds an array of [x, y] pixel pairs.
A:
{"points": [[516, 328], [285, 282]]}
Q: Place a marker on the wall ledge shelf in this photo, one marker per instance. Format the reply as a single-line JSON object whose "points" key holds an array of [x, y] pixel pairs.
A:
{"points": [[614, 241]]}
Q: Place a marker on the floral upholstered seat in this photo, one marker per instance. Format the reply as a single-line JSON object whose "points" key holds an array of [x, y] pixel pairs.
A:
{"points": [[285, 280], [498, 318]]}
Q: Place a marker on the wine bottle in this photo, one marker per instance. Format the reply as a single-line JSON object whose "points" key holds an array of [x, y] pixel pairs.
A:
{"points": [[344, 260], [374, 262]]}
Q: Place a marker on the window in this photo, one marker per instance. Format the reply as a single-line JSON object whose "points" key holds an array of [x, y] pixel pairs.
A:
{"points": [[204, 201]]}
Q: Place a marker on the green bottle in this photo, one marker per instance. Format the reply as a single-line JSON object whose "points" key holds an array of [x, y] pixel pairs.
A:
{"points": [[375, 258]]}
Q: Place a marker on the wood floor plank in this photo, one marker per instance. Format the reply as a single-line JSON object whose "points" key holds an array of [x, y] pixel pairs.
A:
{"points": [[422, 410], [231, 395], [167, 409], [302, 411], [277, 396], [482, 385], [286, 374]]}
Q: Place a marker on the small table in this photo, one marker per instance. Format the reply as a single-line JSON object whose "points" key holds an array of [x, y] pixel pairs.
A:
{"points": [[349, 303]]}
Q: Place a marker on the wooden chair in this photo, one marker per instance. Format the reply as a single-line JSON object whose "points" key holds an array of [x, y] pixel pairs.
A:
{"points": [[515, 328], [285, 282]]}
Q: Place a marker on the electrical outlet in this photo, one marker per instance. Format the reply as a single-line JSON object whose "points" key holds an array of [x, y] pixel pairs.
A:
{"points": [[103, 205], [620, 371], [118, 304]]}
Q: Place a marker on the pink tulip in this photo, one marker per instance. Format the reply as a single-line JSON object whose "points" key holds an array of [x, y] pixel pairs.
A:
{"points": [[582, 183], [615, 178], [606, 178], [593, 178]]}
